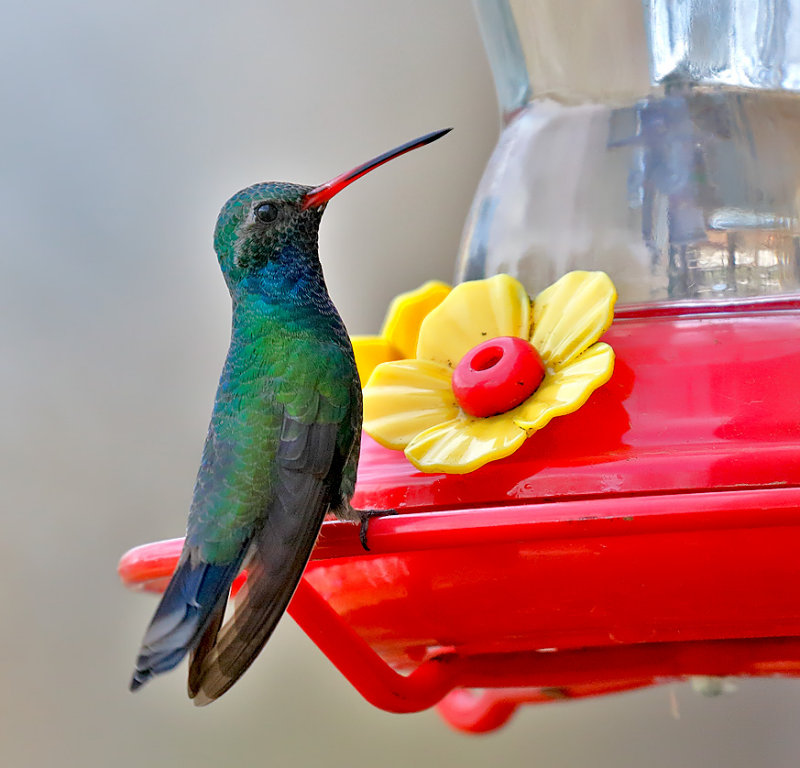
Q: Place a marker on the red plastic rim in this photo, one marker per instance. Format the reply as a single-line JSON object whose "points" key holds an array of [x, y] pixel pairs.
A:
{"points": [[506, 679]]}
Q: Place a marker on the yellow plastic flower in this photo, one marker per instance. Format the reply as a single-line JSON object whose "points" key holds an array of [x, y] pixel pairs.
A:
{"points": [[398, 337], [410, 404]]}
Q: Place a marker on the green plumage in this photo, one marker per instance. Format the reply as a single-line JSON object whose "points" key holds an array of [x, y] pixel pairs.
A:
{"points": [[283, 362]]}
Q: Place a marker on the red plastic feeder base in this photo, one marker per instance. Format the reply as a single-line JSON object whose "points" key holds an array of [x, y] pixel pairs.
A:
{"points": [[648, 537]]}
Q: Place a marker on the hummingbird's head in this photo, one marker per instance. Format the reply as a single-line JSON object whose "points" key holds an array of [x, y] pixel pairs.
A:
{"points": [[270, 229], [264, 225]]}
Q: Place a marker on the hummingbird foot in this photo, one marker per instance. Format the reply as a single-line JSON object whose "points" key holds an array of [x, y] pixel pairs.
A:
{"points": [[366, 515]]}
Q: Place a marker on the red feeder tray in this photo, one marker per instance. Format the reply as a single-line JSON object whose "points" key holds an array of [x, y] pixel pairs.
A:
{"points": [[650, 536]]}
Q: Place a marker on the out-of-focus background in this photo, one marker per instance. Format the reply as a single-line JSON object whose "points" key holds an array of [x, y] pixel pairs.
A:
{"points": [[125, 127]]}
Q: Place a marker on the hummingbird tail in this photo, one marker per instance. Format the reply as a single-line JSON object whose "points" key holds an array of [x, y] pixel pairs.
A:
{"points": [[278, 555], [196, 594]]}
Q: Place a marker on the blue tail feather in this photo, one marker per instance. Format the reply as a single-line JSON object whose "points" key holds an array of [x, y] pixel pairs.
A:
{"points": [[188, 604]]}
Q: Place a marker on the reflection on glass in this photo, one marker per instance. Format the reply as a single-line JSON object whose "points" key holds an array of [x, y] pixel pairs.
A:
{"points": [[680, 179]]}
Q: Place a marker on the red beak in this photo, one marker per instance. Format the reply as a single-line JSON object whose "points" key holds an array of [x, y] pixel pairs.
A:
{"points": [[321, 194]]}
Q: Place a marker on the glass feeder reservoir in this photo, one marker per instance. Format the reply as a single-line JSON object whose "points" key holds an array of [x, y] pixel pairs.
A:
{"points": [[654, 140]]}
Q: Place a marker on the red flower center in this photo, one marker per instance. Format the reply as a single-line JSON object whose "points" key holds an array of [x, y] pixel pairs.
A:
{"points": [[497, 375]]}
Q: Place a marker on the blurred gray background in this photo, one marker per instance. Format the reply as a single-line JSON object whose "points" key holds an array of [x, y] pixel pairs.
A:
{"points": [[125, 126]]}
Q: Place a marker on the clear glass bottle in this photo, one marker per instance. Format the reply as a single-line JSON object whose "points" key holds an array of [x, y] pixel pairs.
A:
{"points": [[658, 141]]}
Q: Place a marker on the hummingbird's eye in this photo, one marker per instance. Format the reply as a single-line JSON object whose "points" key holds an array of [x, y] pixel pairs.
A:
{"points": [[266, 212]]}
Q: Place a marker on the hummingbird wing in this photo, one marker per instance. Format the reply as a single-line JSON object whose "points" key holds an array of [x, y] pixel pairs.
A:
{"points": [[307, 462]]}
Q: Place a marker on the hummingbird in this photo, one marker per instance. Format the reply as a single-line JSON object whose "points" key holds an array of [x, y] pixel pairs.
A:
{"points": [[283, 443]]}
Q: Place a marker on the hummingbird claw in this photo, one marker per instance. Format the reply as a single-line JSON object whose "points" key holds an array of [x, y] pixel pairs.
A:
{"points": [[366, 515]]}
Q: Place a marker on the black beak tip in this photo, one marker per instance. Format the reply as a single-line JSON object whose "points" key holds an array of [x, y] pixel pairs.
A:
{"points": [[321, 194]]}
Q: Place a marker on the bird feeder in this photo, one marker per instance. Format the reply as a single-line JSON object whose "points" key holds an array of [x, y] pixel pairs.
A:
{"points": [[649, 533]]}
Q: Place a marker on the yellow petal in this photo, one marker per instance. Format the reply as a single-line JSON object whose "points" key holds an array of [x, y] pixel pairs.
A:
{"points": [[567, 389], [371, 351], [474, 312], [571, 315], [405, 397], [406, 313], [464, 443]]}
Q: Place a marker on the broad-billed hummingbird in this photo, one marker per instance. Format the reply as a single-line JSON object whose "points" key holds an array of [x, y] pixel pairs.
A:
{"points": [[283, 443]]}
